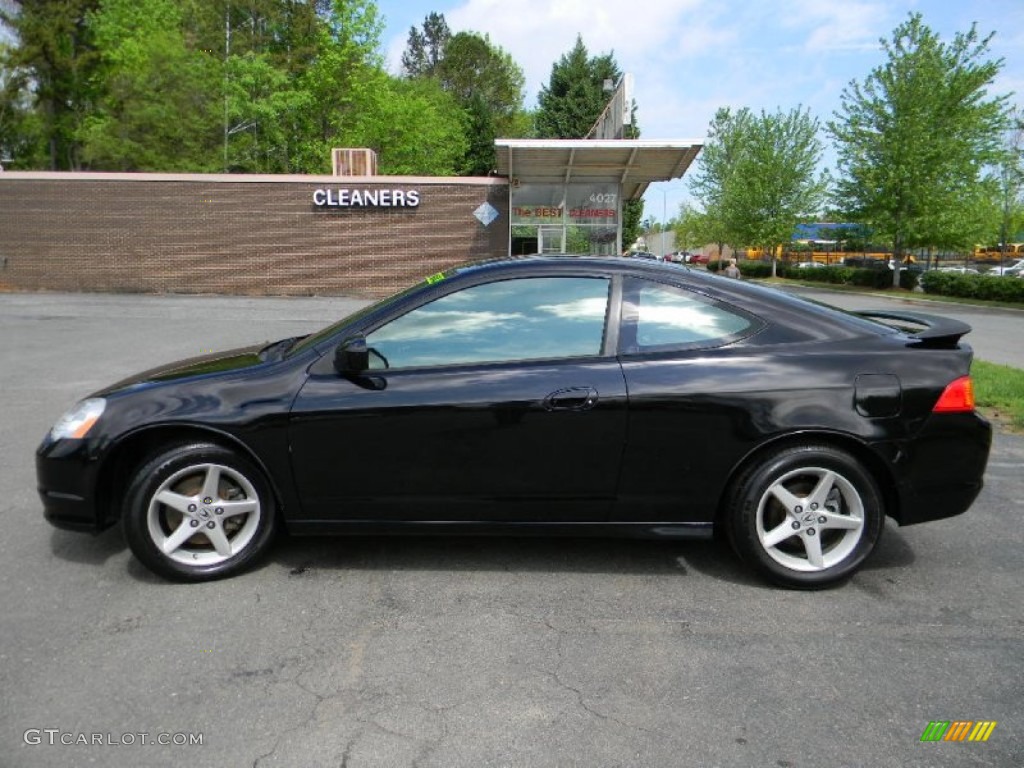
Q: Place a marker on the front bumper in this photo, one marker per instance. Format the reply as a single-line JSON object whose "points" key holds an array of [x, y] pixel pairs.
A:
{"points": [[66, 480]]}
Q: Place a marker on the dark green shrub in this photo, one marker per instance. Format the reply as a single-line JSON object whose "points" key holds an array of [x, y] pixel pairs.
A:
{"points": [[988, 288], [871, 278], [755, 268]]}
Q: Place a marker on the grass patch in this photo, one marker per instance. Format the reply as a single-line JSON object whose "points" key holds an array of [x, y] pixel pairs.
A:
{"points": [[999, 393]]}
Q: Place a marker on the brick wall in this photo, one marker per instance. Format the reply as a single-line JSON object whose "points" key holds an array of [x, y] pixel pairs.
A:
{"points": [[236, 234]]}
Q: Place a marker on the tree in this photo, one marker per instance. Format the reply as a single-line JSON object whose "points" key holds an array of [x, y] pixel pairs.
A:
{"points": [[694, 228], [261, 48], [912, 140], [338, 83], [155, 110], [574, 96], [424, 50], [415, 127], [486, 82], [50, 76], [473, 67], [716, 165], [772, 186], [265, 86], [756, 177], [1009, 177]]}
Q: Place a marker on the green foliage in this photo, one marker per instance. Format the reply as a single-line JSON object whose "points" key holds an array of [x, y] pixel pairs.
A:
{"points": [[48, 83], [265, 86], [989, 288], [632, 210], [480, 156], [711, 180], [632, 213], [425, 50], [21, 128], [840, 275], [756, 177], [154, 113], [574, 97], [489, 85], [1008, 180], [338, 85], [474, 68], [256, 128], [691, 228], [913, 137], [484, 80], [772, 185], [415, 127]]}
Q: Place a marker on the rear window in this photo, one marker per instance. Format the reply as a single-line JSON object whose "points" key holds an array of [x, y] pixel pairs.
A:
{"points": [[814, 308]]}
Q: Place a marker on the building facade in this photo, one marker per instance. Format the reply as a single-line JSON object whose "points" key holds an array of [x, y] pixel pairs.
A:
{"points": [[281, 235], [318, 235]]}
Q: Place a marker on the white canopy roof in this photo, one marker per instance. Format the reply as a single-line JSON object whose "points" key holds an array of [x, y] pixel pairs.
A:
{"points": [[633, 163]]}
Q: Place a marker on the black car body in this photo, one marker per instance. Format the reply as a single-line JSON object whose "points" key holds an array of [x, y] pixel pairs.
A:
{"points": [[576, 395]]}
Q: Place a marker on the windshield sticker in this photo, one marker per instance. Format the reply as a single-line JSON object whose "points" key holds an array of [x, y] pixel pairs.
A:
{"points": [[435, 278]]}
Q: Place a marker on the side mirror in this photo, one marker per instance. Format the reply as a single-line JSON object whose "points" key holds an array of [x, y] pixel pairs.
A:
{"points": [[352, 357]]}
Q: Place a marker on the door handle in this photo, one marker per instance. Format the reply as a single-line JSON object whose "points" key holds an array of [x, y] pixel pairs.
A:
{"points": [[571, 399]]}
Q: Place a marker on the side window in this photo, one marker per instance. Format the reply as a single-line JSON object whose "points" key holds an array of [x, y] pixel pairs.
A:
{"points": [[519, 319], [660, 316]]}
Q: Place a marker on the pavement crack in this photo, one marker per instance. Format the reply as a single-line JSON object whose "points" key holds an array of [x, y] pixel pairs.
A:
{"points": [[581, 700]]}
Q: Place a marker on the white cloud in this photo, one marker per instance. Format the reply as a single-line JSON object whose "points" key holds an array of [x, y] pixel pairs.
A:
{"points": [[539, 32], [830, 25]]}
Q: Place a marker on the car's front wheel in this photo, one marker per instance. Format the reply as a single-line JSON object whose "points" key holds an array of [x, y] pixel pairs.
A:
{"points": [[198, 512], [806, 517]]}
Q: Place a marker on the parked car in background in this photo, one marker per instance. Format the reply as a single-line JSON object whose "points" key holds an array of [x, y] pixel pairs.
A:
{"points": [[960, 270], [540, 395], [809, 265], [1013, 270], [697, 258], [866, 262]]}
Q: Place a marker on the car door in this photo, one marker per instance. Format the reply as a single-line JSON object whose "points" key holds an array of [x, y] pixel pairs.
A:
{"points": [[693, 388], [498, 401]]}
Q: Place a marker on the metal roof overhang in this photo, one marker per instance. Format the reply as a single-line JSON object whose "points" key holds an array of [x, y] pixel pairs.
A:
{"points": [[632, 163]]}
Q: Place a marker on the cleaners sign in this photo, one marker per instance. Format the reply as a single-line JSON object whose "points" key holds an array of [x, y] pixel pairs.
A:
{"points": [[366, 198]]}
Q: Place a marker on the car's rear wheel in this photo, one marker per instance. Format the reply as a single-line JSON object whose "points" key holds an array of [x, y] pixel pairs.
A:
{"points": [[806, 517], [198, 512]]}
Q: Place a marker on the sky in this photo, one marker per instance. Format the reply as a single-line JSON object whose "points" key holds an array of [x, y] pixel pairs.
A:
{"points": [[690, 57]]}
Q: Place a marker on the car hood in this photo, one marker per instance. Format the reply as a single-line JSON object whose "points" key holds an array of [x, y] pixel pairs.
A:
{"points": [[203, 365]]}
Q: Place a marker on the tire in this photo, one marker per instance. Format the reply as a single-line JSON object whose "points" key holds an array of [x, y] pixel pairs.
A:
{"points": [[198, 512], [806, 517]]}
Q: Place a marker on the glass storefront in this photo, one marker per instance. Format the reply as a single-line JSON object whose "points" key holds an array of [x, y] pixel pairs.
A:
{"points": [[566, 218]]}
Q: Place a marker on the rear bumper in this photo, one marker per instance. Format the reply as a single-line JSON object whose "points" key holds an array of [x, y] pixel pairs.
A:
{"points": [[941, 471]]}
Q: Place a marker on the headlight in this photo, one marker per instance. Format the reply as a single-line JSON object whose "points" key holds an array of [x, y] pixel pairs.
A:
{"points": [[77, 422]]}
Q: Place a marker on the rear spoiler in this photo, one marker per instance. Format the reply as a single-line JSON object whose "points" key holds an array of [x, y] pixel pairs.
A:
{"points": [[931, 331]]}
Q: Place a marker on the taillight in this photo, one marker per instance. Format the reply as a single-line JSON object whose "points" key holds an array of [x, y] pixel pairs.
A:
{"points": [[958, 397]]}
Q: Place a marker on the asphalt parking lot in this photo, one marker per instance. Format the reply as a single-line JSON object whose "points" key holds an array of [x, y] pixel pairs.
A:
{"points": [[468, 652]]}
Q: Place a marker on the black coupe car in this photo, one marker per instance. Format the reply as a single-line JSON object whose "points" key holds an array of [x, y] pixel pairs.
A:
{"points": [[550, 395]]}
